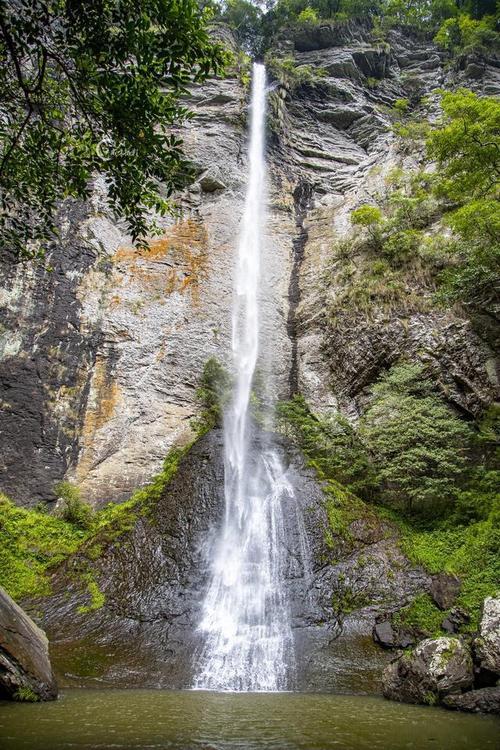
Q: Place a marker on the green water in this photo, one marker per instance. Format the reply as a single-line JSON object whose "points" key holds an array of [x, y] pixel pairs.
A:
{"points": [[154, 720]]}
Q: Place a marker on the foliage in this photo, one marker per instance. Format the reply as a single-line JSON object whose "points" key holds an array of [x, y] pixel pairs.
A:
{"points": [[214, 393], [464, 34], [331, 443], [291, 75], [417, 447], [471, 552], [307, 16], [244, 18], [73, 509], [32, 542], [97, 598], [25, 694], [422, 615], [352, 459], [94, 87], [466, 146]]}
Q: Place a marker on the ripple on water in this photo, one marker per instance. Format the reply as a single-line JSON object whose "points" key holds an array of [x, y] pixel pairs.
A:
{"points": [[164, 720]]}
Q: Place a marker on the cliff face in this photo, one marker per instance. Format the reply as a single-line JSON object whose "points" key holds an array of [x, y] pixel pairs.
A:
{"points": [[102, 350], [334, 132]]}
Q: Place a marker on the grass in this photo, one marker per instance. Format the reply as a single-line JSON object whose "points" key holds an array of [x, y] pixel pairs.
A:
{"points": [[470, 552], [33, 543]]}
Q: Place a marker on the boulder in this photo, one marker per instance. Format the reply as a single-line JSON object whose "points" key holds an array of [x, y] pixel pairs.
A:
{"points": [[487, 644], [454, 620], [388, 636], [25, 671], [486, 700], [435, 668], [444, 590]]}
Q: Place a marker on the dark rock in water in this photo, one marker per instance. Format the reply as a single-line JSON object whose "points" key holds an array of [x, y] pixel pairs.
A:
{"points": [[486, 700], [25, 671], [455, 620], [435, 668], [486, 646], [444, 590]]}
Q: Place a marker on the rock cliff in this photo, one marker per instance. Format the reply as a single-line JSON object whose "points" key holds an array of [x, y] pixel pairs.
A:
{"points": [[102, 347]]}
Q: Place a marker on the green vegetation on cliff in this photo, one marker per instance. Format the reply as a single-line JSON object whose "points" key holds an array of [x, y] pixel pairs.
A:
{"points": [[33, 542], [457, 26], [416, 464], [440, 227]]}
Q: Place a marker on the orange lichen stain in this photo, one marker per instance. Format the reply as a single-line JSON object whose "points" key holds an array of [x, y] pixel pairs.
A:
{"points": [[103, 400], [176, 262]]}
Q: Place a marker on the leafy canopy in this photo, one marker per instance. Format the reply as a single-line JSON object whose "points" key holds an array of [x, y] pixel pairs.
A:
{"points": [[94, 86]]}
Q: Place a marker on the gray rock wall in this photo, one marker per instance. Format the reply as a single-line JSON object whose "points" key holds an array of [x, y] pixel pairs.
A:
{"points": [[102, 349]]}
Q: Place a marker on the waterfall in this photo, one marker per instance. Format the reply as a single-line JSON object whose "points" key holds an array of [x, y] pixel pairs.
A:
{"points": [[246, 616]]}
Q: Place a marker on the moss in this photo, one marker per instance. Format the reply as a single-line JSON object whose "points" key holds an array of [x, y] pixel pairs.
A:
{"points": [[430, 698], [470, 552], [32, 542], [423, 615], [97, 597]]}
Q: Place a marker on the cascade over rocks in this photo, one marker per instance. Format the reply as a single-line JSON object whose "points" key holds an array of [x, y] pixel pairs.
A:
{"points": [[25, 671], [153, 579]]}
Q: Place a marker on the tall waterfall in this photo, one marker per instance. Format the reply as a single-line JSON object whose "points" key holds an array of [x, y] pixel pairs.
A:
{"points": [[246, 620]]}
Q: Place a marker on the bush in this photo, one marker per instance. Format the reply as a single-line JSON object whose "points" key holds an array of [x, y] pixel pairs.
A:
{"points": [[418, 447], [73, 509], [307, 17], [214, 393]]}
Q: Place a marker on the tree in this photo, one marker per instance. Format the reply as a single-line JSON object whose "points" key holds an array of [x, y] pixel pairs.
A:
{"points": [[418, 447], [94, 86], [244, 18], [466, 147]]}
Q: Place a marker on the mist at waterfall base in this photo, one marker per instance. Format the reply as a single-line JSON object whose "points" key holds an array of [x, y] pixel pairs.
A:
{"points": [[246, 619]]}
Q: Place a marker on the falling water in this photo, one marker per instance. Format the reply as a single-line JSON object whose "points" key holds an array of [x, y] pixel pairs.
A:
{"points": [[246, 620]]}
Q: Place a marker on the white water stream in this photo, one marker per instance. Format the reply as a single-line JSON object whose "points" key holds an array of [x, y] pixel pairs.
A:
{"points": [[246, 618]]}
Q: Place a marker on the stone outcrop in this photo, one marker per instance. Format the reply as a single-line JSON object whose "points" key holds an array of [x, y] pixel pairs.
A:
{"points": [[103, 346], [487, 644], [25, 670], [435, 668], [451, 671], [485, 700], [444, 590]]}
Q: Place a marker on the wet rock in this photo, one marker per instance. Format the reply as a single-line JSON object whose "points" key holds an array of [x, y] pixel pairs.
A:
{"points": [[389, 636], [444, 590], [25, 670], [455, 620], [211, 181], [435, 668], [486, 700], [487, 644]]}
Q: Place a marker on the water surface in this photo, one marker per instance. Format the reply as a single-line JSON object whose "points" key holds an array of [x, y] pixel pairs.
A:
{"points": [[167, 720]]}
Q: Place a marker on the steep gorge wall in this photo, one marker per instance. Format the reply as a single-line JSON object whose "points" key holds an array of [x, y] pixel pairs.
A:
{"points": [[101, 349], [335, 134]]}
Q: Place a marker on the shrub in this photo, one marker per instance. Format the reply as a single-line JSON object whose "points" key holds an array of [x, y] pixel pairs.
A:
{"points": [[307, 17], [418, 447], [73, 510], [214, 393]]}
